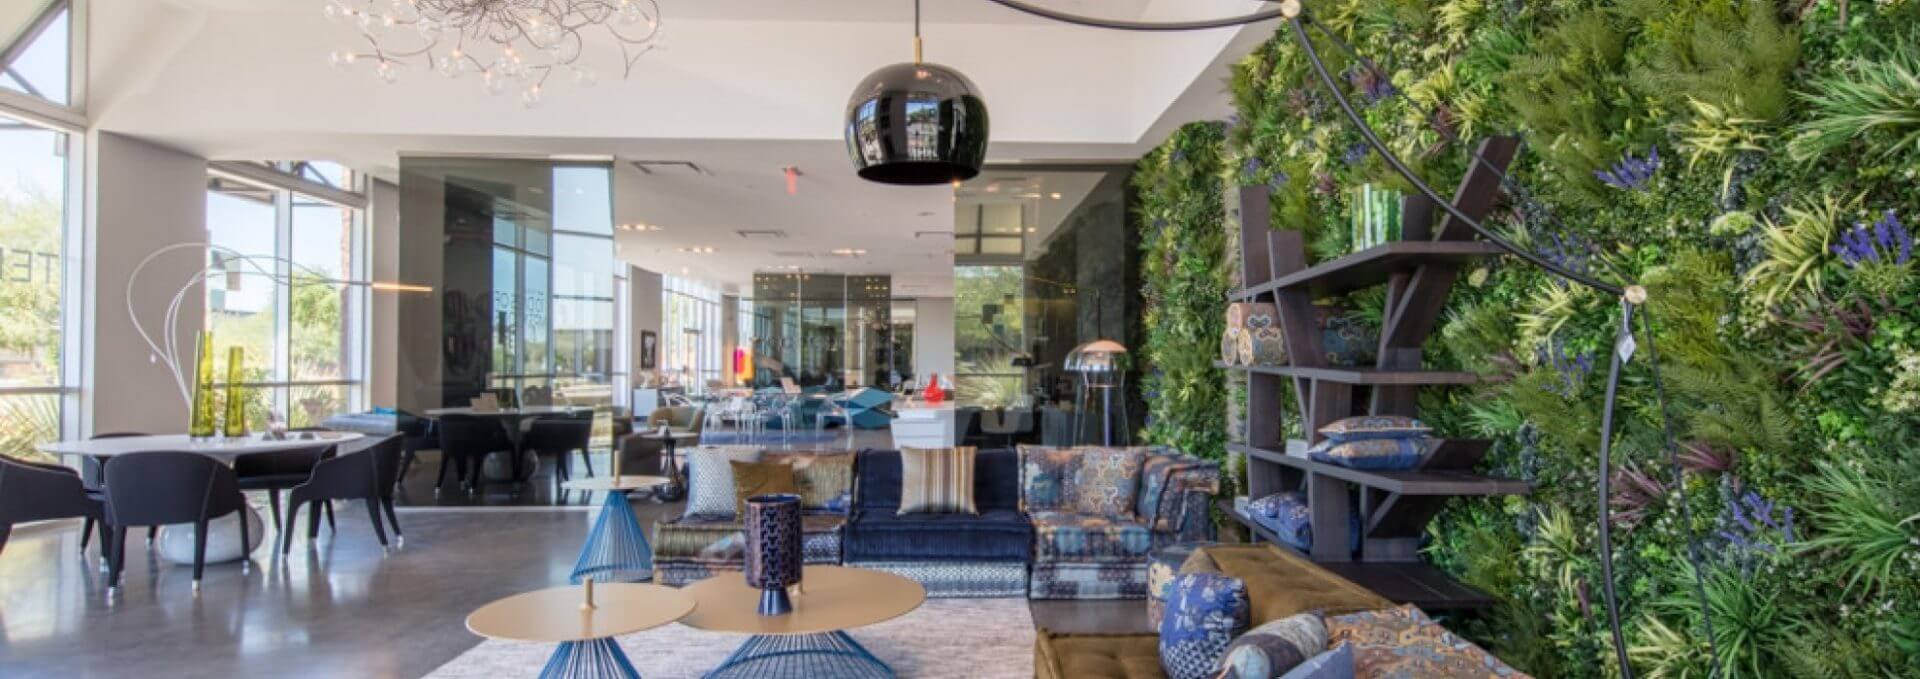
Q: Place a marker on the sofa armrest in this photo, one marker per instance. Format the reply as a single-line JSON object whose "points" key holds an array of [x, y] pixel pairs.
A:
{"points": [[1182, 489]]}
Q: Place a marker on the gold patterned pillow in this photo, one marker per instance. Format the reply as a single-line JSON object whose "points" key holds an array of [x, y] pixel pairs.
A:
{"points": [[937, 481]]}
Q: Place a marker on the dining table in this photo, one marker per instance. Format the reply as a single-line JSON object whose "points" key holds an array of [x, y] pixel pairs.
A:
{"points": [[175, 543]]}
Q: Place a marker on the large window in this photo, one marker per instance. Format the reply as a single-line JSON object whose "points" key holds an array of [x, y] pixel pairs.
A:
{"points": [[690, 342], [36, 382], [36, 49], [287, 285]]}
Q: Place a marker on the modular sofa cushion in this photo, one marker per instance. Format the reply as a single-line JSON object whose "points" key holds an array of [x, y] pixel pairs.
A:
{"points": [[1046, 477], [1108, 481], [992, 535], [937, 481], [1109, 656], [1065, 536], [996, 480], [1280, 583], [1403, 643]]}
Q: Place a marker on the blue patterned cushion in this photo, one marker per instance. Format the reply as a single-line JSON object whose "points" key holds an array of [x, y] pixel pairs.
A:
{"points": [[710, 480], [1287, 515], [1334, 664], [1204, 613], [1373, 454], [1067, 536], [1277, 647], [1403, 643], [1046, 477], [1374, 427], [1107, 481]]}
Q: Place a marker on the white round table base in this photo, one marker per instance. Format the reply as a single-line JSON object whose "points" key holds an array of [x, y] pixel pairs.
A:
{"points": [[175, 543]]}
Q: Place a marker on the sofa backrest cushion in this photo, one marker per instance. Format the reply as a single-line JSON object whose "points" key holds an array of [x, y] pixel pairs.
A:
{"points": [[1280, 583], [996, 478]]}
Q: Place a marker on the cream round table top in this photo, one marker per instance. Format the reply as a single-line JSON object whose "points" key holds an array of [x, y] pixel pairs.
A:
{"points": [[828, 599], [216, 446], [528, 411], [609, 483], [555, 616]]}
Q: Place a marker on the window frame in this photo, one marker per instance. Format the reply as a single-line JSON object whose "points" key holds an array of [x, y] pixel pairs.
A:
{"points": [[71, 115]]}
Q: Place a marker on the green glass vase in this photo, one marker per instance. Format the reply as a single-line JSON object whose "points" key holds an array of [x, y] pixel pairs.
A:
{"points": [[202, 426], [236, 424]]}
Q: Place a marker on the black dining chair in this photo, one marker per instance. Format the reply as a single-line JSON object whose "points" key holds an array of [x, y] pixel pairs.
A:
{"points": [[279, 470], [367, 475], [30, 491], [167, 487], [465, 443], [92, 473], [560, 436]]}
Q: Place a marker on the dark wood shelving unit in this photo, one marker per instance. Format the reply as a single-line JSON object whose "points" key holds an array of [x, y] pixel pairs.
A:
{"points": [[1394, 507]]}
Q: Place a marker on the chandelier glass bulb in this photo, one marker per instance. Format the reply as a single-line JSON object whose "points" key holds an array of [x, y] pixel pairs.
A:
{"points": [[516, 42]]}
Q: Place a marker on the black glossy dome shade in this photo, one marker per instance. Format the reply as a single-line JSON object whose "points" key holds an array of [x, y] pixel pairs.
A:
{"points": [[916, 124]]}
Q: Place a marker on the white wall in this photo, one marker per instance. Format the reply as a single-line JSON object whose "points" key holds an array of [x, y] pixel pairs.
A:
{"points": [[647, 287], [383, 247], [933, 339], [142, 197]]}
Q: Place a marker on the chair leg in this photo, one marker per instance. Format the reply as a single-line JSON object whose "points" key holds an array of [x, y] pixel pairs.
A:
{"points": [[86, 535], [442, 478], [313, 521], [153, 533], [286, 529], [246, 541], [331, 528], [373, 513], [199, 552], [273, 500], [118, 557], [392, 520], [7, 529]]}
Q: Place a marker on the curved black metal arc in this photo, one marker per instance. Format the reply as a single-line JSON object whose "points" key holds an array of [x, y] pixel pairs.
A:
{"points": [[1512, 185], [1678, 479], [1606, 474], [1373, 139], [1116, 24]]}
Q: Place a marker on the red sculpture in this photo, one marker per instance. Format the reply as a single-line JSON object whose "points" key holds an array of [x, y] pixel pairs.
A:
{"points": [[934, 394]]}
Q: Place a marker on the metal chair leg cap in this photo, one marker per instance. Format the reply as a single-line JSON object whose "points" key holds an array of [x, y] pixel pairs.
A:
{"points": [[196, 588]]}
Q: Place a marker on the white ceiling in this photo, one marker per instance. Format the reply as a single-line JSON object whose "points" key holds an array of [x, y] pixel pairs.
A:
{"points": [[741, 87]]}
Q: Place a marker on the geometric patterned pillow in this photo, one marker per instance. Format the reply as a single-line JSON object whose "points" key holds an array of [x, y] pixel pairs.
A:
{"points": [[1046, 477], [1403, 643], [1107, 481], [710, 479], [1275, 648], [1204, 612], [1373, 454], [1374, 427]]}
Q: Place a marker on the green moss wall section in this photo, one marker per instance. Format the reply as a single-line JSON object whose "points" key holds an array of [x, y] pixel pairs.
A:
{"points": [[1756, 165]]}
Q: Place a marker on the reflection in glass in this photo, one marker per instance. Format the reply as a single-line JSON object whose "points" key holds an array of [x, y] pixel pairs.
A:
{"points": [[833, 331]]}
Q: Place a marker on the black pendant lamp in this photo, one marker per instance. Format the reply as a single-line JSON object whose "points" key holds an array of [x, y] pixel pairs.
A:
{"points": [[916, 123]]}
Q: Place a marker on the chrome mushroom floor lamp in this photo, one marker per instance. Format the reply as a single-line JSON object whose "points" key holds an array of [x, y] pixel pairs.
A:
{"points": [[1633, 298]]}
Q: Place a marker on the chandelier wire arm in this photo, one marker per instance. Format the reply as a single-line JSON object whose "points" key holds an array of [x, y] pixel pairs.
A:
{"points": [[1146, 26]]}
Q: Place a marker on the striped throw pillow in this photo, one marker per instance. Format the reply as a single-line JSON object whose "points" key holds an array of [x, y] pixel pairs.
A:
{"points": [[937, 481]]}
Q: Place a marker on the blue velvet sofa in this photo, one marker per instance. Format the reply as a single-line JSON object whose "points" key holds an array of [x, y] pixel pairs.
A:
{"points": [[953, 555]]}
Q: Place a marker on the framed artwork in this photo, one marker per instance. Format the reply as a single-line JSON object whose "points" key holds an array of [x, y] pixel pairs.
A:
{"points": [[649, 350]]}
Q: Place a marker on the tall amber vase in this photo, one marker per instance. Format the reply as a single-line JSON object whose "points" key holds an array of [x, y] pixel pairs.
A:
{"points": [[236, 424], [202, 425]]}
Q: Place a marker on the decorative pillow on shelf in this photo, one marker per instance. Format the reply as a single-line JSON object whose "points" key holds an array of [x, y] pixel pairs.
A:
{"points": [[1334, 664], [1275, 648], [710, 479], [823, 480], [1107, 481], [1204, 613], [1046, 477], [937, 481], [759, 478], [1403, 643], [1372, 454], [1374, 427], [1287, 515]]}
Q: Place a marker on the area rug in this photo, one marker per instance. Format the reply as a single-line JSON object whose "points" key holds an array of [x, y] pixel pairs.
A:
{"points": [[944, 638]]}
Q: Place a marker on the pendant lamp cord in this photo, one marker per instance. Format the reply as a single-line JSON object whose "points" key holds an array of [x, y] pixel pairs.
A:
{"points": [[916, 31]]}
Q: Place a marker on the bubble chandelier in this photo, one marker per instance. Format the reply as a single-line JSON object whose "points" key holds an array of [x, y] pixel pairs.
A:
{"points": [[505, 43]]}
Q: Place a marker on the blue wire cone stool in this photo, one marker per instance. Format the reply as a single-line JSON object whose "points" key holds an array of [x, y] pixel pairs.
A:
{"points": [[616, 549], [582, 625], [596, 659], [801, 656]]}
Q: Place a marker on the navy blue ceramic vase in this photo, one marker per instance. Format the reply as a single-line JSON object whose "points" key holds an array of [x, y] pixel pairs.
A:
{"points": [[773, 549]]}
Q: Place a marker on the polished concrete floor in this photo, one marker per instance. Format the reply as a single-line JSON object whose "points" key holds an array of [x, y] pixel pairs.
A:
{"points": [[338, 607]]}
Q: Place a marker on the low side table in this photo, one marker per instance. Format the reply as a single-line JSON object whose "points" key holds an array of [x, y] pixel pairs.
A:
{"points": [[616, 549], [812, 640], [583, 621], [676, 487]]}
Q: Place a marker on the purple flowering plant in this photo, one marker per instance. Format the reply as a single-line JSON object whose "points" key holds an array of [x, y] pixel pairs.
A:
{"points": [[1632, 173], [1885, 242], [1754, 526]]}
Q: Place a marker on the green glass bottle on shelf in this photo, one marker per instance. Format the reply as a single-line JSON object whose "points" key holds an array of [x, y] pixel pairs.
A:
{"points": [[236, 424], [202, 425]]}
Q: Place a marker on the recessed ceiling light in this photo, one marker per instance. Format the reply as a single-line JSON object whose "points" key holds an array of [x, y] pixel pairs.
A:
{"points": [[698, 250], [1055, 195], [849, 252], [1032, 230], [1027, 196]]}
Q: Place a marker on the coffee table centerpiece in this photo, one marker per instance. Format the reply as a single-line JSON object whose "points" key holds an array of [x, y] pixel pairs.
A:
{"points": [[773, 549], [811, 639]]}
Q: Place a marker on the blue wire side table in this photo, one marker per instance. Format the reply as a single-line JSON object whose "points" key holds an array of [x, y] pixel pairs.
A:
{"points": [[616, 549], [812, 640], [583, 621]]}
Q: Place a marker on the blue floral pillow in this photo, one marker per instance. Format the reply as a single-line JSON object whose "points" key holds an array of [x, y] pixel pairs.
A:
{"points": [[1372, 454], [1287, 515], [1374, 427], [1204, 613]]}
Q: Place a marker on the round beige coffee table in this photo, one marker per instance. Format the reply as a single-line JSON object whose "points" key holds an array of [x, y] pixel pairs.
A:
{"points": [[812, 640], [583, 621], [616, 548]]}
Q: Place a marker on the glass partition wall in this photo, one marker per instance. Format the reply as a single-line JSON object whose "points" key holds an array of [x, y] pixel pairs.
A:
{"points": [[520, 253], [825, 330]]}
